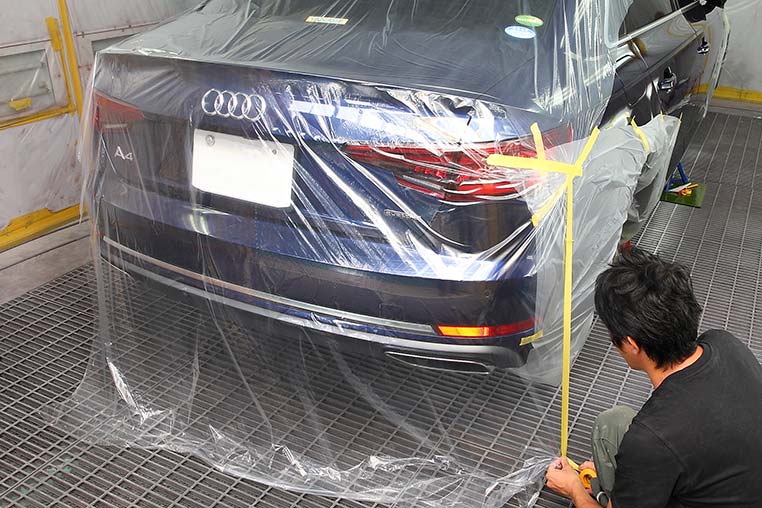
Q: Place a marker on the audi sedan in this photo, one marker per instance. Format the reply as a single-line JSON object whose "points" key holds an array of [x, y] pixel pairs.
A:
{"points": [[276, 159]]}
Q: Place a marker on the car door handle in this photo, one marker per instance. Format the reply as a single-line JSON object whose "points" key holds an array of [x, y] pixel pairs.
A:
{"points": [[704, 47], [668, 82]]}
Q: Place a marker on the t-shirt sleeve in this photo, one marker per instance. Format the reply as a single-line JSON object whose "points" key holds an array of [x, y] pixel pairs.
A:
{"points": [[647, 471]]}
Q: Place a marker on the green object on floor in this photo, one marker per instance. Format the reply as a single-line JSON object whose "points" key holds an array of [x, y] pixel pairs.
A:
{"points": [[694, 199]]}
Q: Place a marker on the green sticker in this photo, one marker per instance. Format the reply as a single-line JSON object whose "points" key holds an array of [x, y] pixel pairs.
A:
{"points": [[529, 20]]}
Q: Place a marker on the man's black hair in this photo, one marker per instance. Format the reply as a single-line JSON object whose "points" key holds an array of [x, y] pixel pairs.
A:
{"points": [[652, 301]]}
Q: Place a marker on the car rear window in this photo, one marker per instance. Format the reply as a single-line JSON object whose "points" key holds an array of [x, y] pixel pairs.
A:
{"points": [[419, 15]]}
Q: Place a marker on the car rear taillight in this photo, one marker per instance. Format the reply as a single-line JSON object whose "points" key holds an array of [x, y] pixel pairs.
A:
{"points": [[483, 332], [457, 173], [110, 113]]}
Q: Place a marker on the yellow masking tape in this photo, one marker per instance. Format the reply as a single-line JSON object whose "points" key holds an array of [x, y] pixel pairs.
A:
{"points": [[55, 34], [641, 135], [545, 208], [566, 358], [587, 149], [538, 143], [544, 165], [511, 161], [570, 170], [531, 338], [21, 104]]}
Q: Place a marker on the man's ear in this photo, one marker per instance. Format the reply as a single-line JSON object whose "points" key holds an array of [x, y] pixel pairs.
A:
{"points": [[632, 344]]}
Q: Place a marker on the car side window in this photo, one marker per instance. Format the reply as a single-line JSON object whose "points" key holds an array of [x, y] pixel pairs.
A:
{"points": [[645, 12], [696, 14]]}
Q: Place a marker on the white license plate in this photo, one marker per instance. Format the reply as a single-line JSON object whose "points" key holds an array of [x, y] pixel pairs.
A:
{"points": [[253, 170]]}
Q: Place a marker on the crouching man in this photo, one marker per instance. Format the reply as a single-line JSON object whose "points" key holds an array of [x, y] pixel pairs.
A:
{"points": [[697, 441]]}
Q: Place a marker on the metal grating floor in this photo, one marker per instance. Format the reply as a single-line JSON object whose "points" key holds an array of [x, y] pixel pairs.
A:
{"points": [[46, 334]]}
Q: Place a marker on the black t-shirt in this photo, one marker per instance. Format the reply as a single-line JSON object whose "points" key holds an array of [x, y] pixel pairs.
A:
{"points": [[698, 439]]}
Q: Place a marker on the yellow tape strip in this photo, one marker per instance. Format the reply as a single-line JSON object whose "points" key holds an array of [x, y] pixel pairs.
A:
{"points": [[531, 338], [544, 209], [641, 135], [538, 142], [585, 153], [21, 104], [33, 225], [55, 34], [570, 170], [544, 165], [566, 373], [511, 161]]}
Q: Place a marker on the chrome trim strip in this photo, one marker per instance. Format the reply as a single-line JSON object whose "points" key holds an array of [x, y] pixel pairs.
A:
{"points": [[417, 345], [359, 318], [640, 31]]}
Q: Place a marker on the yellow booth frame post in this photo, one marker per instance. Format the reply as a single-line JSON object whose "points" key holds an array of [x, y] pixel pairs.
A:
{"points": [[37, 223], [571, 171]]}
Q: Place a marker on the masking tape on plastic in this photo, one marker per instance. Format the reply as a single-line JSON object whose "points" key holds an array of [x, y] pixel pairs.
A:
{"points": [[547, 166], [531, 338], [21, 104], [641, 135], [570, 170], [55, 34], [547, 206], [538, 142], [566, 374]]}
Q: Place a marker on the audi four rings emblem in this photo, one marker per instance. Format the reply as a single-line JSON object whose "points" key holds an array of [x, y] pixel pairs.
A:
{"points": [[227, 104]]}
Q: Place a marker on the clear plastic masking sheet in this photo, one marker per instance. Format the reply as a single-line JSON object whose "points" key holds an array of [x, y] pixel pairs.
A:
{"points": [[308, 275]]}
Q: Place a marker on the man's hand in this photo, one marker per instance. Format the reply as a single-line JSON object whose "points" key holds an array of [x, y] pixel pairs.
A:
{"points": [[563, 479]]}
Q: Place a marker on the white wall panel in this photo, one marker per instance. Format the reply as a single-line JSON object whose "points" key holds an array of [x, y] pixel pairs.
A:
{"points": [[743, 66], [37, 162], [25, 20], [40, 171]]}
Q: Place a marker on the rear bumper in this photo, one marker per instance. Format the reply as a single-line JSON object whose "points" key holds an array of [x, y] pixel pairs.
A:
{"points": [[412, 343], [361, 309]]}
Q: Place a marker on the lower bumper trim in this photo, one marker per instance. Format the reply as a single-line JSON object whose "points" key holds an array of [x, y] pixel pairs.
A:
{"points": [[211, 281], [386, 342]]}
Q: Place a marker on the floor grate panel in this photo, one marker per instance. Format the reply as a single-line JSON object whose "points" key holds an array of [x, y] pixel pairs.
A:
{"points": [[45, 338]]}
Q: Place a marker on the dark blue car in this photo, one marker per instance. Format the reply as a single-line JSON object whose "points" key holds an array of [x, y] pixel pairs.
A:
{"points": [[324, 166]]}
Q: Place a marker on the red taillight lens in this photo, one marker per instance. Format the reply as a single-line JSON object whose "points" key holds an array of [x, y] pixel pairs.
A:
{"points": [[455, 173], [109, 113], [483, 332]]}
